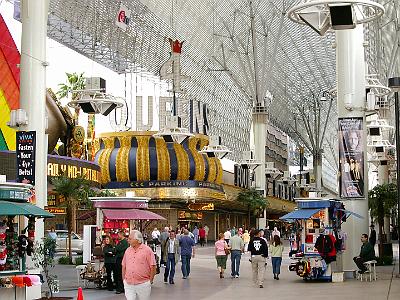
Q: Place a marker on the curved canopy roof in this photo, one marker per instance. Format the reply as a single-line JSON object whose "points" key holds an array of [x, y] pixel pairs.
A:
{"points": [[237, 52]]}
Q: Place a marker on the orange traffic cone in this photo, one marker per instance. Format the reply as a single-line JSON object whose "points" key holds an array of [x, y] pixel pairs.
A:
{"points": [[80, 294]]}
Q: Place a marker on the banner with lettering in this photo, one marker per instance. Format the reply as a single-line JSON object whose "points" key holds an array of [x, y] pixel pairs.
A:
{"points": [[26, 144], [351, 156]]}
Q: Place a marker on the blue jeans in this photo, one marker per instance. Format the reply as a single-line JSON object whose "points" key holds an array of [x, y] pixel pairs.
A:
{"points": [[186, 265], [235, 259], [276, 265], [170, 267]]}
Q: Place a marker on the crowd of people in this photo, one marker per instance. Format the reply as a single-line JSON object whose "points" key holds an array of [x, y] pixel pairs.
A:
{"points": [[131, 264], [180, 244]]}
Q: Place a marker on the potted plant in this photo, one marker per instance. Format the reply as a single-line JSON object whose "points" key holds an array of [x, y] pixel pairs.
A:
{"points": [[43, 258], [381, 201]]}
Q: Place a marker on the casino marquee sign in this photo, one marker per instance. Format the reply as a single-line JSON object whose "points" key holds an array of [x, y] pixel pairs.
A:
{"points": [[165, 184], [73, 168]]}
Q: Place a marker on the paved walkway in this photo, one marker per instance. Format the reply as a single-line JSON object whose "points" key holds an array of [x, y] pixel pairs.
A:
{"points": [[204, 283]]}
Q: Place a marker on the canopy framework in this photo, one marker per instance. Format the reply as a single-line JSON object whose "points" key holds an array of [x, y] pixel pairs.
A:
{"points": [[294, 64]]}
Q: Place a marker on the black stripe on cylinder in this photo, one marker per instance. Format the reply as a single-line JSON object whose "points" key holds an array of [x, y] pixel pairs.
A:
{"points": [[173, 161], [192, 164], [132, 160], [207, 167], [153, 159]]}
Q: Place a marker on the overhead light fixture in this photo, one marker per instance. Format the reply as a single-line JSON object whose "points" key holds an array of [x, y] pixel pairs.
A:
{"points": [[93, 99], [322, 15], [95, 102], [286, 179], [215, 149], [248, 161], [271, 171], [316, 19], [173, 132]]}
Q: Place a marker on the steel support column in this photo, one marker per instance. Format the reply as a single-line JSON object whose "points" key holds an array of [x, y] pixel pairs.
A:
{"points": [[350, 68]]}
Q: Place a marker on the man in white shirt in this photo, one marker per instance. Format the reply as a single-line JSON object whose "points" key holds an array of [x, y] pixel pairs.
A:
{"points": [[155, 235], [206, 229], [171, 257], [227, 236]]}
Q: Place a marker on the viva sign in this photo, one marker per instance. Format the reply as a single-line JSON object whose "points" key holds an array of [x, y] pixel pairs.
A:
{"points": [[26, 142]]}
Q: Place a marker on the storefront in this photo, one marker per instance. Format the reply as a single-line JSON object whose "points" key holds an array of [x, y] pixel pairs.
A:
{"points": [[18, 214], [56, 166]]}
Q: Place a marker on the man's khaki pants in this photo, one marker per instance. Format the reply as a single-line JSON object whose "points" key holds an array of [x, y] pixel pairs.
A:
{"points": [[138, 291], [258, 268]]}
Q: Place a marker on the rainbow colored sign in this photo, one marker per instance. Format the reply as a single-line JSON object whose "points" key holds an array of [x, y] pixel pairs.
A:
{"points": [[9, 85]]}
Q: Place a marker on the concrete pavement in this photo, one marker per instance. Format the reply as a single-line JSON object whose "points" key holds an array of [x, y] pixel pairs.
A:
{"points": [[204, 283]]}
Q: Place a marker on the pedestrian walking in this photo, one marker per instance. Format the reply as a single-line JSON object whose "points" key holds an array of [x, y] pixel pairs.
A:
{"points": [[207, 230], [236, 246], [275, 232], [138, 268], [227, 235], [267, 233], [163, 239], [171, 257], [187, 252], [259, 253], [196, 234], [246, 239], [372, 236], [119, 255], [109, 261], [221, 251], [202, 236], [155, 234], [276, 256]]}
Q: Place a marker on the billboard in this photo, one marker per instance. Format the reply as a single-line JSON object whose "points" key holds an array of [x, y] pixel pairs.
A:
{"points": [[351, 158]]}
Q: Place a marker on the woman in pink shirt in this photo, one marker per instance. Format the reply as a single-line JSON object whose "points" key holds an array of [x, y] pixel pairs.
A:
{"points": [[220, 254]]}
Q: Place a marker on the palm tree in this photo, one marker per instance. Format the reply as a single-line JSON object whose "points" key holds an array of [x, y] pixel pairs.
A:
{"points": [[74, 82], [74, 191], [381, 201], [253, 200]]}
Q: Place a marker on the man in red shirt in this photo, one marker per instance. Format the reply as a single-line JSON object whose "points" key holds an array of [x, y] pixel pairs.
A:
{"points": [[138, 268], [202, 235]]}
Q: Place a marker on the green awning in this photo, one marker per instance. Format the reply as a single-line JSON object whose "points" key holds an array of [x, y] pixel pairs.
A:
{"points": [[8, 208]]}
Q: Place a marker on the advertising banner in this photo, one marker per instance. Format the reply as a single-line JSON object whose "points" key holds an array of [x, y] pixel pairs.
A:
{"points": [[26, 142], [123, 17], [351, 158]]}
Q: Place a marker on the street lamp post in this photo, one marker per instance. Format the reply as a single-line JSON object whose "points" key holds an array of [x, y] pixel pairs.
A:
{"points": [[394, 84]]}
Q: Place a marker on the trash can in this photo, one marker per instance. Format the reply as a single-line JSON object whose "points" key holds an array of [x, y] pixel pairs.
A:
{"points": [[388, 249]]}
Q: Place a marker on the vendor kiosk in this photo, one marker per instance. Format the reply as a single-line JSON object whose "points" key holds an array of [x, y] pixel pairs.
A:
{"points": [[17, 237], [321, 240]]}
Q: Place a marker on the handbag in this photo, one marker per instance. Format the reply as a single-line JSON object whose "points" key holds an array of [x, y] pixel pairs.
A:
{"points": [[227, 251]]}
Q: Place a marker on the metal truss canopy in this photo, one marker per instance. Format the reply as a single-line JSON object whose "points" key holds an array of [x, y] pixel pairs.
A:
{"points": [[237, 52]]}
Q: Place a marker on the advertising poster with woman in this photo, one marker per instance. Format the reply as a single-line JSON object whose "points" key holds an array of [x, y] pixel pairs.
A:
{"points": [[351, 155]]}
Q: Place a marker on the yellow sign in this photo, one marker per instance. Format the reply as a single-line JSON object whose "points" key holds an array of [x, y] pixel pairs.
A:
{"points": [[78, 134], [201, 206], [185, 215], [56, 210], [56, 169]]}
